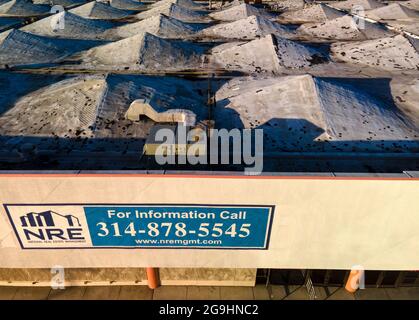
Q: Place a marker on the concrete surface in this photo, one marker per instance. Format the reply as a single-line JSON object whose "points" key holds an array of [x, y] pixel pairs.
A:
{"points": [[100, 10], [343, 28], [158, 25], [278, 54], [393, 11], [127, 5], [238, 12], [174, 11], [324, 109], [395, 53], [21, 48], [183, 3], [146, 52], [289, 4], [366, 4], [316, 13], [247, 28], [22, 8], [72, 26]]}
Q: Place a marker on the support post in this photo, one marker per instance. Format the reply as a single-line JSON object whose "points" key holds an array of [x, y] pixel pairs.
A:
{"points": [[152, 278]]}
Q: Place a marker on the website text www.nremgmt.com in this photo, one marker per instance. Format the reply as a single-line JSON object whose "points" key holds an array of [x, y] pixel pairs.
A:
{"points": [[184, 242]]}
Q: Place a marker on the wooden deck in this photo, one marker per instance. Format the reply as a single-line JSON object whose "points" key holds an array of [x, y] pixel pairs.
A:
{"points": [[259, 292]]}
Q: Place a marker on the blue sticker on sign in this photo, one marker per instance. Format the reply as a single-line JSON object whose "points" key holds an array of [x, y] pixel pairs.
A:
{"points": [[60, 226], [179, 226]]}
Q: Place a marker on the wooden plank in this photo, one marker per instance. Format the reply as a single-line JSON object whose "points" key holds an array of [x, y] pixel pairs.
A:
{"points": [[260, 292], [102, 293], [69, 293], [203, 293], [277, 292], [7, 293], [340, 294], [32, 293], [236, 293], [372, 294], [170, 293], [406, 293], [135, 293]]}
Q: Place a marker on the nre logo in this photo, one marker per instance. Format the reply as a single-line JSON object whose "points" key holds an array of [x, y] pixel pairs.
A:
{"points": [[50, 225]]}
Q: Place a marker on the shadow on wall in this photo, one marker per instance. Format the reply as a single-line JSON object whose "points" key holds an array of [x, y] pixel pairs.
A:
{"points": [[56, 153], [293, 144], [290, 145], [298, 151], [13, 88], [301, 135], [377, 87]]}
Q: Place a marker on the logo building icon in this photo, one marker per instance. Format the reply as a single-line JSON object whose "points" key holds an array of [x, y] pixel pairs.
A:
{"points": [[47, 219], [51, 226]]}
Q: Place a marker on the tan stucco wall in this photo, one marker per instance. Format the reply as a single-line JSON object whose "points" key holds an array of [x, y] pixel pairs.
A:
{"points": [[128, 276], [318, 223]]}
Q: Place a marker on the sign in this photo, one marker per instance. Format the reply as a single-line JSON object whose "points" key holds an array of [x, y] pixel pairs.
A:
{"points": [[317, 222], [141, 226]]}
